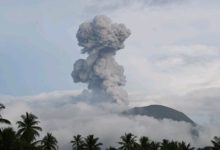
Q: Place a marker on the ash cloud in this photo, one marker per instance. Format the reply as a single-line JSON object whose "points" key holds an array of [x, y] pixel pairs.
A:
{"points": [[101, 39]]}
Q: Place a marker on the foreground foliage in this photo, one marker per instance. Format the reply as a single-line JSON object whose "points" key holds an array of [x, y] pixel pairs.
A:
{"points": [[49, 142], [25, 138], [3, 120]]}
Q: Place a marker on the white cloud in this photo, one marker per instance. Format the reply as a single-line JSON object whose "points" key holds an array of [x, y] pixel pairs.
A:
{"points": [[173, 70], [107, 6], [77, 117], [202, 105]]}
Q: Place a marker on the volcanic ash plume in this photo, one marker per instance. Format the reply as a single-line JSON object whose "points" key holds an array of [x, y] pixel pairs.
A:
{"points": [[100, 39]]}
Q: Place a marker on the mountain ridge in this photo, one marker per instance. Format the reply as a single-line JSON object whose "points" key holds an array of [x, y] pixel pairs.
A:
{"points": [[160, 112]]}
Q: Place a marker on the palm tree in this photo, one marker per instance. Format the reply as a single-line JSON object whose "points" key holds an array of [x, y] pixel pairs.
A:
{"points": [[167, 145], [91, 143], [2, 120], [77, 142], [111, 148], [128, 142], [145, 143], [216, 143], [183, 146], [8, 139], [49, 142], [154, 145], [205, 148], [27, 128]]}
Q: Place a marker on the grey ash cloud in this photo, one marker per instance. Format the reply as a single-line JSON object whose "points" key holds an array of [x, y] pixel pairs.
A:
{"points": [[101, 39]]}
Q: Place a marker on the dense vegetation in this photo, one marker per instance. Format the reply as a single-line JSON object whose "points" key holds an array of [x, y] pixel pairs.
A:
{"points": [[28, 130]]}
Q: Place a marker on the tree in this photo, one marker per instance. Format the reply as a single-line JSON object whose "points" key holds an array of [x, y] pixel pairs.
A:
{"points": [[77, 142], [167, 145], [27, 128], [154, 145], [145, 143], [111, 148], [216, 143], [184, 146], [49, 142], [8, 139], [2, 120], [128, 142], [91, 143], [206, 148]]}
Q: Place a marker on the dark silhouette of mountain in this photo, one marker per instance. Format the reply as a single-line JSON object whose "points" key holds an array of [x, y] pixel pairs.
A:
{"points": [[160, 112]]}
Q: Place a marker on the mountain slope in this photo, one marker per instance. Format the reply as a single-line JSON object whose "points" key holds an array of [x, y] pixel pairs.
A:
{"points": [[160, 112]]}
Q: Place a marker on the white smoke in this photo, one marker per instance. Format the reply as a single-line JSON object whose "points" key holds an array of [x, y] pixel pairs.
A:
{"points": [[101, 39]]}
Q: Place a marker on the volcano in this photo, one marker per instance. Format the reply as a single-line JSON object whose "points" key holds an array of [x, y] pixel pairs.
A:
{"points": [[160, 112]]}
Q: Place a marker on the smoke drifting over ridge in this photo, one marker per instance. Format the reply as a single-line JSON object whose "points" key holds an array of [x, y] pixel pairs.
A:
{"points": [[101, 39]]}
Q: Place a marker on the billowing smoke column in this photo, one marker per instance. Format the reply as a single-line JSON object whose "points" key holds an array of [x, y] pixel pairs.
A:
{"points": [[101, 39]]}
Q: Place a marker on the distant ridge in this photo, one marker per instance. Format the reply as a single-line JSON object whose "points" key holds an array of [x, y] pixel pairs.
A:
{"points": [[160, 112]]}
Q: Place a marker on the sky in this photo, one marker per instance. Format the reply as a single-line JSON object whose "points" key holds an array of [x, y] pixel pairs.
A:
{"points": [[175, 41], [171, 57]]}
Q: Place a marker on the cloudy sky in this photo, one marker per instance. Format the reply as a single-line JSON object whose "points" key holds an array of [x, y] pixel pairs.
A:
{"points": [[171, 58]]}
